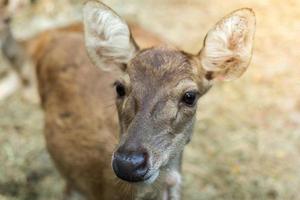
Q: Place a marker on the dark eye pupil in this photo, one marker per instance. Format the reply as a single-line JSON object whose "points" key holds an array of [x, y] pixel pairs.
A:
{"points": [[120, 90], [189, 98]]}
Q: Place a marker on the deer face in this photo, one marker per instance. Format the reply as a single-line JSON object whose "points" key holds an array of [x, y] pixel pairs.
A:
{"points": [[156, 101], [158, 93]]}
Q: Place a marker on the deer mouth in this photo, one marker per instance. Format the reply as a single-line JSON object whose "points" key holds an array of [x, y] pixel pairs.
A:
{"points": [[149, 179]]}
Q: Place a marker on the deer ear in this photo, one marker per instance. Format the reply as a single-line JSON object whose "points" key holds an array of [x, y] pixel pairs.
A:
{"points": [[228, 46], [107, 37]]}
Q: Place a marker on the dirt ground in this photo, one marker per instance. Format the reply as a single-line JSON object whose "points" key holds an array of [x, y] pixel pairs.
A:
{"points": [[246, 144]]}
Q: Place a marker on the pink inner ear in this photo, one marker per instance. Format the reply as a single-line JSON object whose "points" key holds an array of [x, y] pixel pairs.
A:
{"points": [[228, 47], [220, 78]]}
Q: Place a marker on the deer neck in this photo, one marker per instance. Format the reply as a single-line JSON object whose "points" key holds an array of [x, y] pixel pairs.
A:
{"points": [[167, 184]]}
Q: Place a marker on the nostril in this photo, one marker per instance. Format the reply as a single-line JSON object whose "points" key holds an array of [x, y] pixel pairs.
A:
{"points": [[139, 160], [132, 166]]}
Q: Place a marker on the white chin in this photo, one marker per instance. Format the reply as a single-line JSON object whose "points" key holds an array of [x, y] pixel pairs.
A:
{"points": [[152, 178]]}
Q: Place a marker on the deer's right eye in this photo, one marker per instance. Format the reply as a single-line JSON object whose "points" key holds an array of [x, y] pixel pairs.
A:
{"points": [[189, 98], [120, 89]]}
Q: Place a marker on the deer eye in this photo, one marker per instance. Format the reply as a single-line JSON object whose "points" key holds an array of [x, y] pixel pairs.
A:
{"points": [[120, 89], [189, 98]]}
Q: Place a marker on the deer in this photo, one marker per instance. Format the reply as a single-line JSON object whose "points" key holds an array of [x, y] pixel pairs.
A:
{"points": [[15, 54], [118, 116]]}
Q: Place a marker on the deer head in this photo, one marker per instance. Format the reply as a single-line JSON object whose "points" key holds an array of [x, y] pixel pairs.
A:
{"points": [[158, 92]]}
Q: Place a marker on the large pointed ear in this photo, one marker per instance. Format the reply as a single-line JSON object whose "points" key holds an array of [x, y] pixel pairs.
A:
{"points": [[107, 37], [228, 46]]}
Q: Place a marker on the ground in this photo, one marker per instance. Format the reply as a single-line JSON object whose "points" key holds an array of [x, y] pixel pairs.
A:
{"points": [[246, 144]]}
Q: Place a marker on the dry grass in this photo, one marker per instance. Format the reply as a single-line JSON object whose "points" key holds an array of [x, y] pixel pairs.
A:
{"points": [[246, 144]]}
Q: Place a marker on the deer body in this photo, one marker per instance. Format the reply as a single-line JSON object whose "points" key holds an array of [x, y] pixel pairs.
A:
{"points": [[81, 123], [132, 150], [76, 136]]}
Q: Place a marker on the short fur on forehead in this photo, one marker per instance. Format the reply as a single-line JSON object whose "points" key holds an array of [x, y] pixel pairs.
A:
{"points": [[160, 61], [107, 36], [161, 66]]}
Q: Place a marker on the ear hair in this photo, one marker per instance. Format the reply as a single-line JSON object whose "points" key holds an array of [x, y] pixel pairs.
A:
{"points": [[107, 37], [228, 46]]}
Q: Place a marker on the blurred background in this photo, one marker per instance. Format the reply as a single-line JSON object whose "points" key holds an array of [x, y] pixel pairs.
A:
{"points": [[246, 144]]}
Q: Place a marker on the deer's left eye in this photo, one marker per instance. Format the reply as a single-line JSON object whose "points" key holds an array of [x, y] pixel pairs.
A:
{"points": [[120, 89], [189, 98]]}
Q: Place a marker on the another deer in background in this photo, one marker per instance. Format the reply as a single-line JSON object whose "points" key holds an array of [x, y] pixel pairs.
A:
{"points": [[16, 55], [156, 94]]}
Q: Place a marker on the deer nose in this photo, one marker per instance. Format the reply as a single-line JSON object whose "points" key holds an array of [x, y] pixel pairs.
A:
{"points": [[131, 166]]}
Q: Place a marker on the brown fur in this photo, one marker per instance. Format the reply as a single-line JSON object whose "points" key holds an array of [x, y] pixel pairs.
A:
{"points": [[80, 116], [77, 99]]}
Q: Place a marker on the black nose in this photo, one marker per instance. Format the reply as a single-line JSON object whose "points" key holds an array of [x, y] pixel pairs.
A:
{"points": [[130, 166]]}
